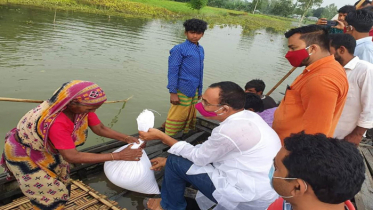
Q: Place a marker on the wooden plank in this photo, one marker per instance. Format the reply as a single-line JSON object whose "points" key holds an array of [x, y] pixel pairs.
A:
{"points": [[363, 199]]}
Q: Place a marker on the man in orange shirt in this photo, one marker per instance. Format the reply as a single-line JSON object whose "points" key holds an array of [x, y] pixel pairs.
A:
{"points": [[315, 100]]}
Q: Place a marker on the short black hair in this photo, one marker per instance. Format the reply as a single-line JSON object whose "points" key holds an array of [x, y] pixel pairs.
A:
{"points": [[345, 40], [231, 94], [333, 168], [312, 34], [253, 101], [347, 9], [258, 84], [369, 8], [196, 25], [366, 2], [361, 20]]}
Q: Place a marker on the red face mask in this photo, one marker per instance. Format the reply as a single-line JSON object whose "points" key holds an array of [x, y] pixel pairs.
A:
{"points": [[296, 58]]}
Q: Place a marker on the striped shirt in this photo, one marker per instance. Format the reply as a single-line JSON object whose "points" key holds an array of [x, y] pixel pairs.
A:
{"points": [[185, 68]]}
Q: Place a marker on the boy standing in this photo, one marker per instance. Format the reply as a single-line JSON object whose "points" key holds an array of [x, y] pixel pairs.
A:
{"points": [[185, 75]]}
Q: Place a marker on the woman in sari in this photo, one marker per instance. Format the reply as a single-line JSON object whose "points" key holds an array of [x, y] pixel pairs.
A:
{"points": [[38, 152]]}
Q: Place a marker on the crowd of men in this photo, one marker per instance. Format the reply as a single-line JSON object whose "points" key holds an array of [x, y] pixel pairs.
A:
{"points": [[300, 154]]}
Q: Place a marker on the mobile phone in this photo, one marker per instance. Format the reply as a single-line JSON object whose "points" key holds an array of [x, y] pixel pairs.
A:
{"points": [[331, 23]]}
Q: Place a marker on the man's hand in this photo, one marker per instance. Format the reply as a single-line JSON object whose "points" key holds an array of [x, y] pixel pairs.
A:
{"points": [[152, 134], [322, 21], [356, 135], [158, 163], [340, 26], [174, 99]]}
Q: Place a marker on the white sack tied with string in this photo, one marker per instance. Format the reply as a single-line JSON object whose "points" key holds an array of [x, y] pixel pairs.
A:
{"points": [[134, 175]]}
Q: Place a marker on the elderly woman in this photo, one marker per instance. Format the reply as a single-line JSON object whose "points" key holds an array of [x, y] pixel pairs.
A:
{"points": [[39, 150]]}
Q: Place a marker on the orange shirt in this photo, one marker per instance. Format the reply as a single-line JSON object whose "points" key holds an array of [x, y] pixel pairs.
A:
{"points": [[314, 101]]}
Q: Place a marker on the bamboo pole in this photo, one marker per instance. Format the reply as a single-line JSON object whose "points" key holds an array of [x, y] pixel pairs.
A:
{"points": [[360, 3], [279, 82], [40, 101]]}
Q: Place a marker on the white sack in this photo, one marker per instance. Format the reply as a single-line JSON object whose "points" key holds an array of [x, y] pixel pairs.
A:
{"points": [[134, 175]]}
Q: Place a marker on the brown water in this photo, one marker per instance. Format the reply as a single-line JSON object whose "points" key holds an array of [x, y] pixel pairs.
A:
{"points": [[126, 57]]}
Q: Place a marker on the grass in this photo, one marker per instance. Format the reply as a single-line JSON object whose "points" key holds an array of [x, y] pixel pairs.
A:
{"points": [[162, 9]]}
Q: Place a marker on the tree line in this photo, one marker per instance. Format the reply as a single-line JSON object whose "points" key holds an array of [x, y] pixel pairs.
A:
{"points": [[285, 8]]}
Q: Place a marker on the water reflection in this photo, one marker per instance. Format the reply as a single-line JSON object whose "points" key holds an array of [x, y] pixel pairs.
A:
{"points": [[124, 56]]}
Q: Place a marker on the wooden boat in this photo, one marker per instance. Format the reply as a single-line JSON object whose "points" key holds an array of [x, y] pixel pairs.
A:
{"points": [[9, 188]]}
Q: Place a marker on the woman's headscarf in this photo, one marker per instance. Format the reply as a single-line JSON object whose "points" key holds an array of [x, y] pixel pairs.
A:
{"points": [[34, 126]]}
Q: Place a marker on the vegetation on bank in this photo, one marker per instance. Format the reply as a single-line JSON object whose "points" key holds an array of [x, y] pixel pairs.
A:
{"points": [[163, 9]]}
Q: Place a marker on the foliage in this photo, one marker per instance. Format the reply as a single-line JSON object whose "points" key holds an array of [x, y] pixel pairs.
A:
{"points": [[329, 11], [167, 10], [317, 12], [283, 8], [305, 5], [197, 4]]}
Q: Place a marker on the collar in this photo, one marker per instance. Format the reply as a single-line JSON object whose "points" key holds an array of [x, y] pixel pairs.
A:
{"points": [[364, 40], [352, 64], [315, 65], [235, 115], [189, 42]]}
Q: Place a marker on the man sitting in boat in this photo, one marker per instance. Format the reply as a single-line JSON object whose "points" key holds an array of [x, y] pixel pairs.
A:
{"points": [[255, 104], [257, 86], [38, 152], [231, 166], [315, 172]]}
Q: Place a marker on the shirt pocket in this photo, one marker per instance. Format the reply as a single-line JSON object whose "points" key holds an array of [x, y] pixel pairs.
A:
{"points": [[292, 97]]}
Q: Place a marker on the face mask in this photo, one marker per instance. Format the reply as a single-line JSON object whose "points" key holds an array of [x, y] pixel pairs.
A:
{"points": [[296, 58], [205, 113], [271, 177]]}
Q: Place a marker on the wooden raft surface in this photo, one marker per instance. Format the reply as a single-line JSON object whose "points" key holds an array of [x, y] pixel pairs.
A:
{"points": [[81, 197], [364, 199]]}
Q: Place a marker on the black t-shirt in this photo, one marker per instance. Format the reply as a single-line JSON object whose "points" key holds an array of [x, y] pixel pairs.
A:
{"points": [[268, 102]]}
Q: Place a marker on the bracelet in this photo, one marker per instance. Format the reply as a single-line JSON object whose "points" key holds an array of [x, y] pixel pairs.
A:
{"points": [[112, 156]]}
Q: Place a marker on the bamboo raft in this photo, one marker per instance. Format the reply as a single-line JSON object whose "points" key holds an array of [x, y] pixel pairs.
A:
{"points": [[81, 197]]}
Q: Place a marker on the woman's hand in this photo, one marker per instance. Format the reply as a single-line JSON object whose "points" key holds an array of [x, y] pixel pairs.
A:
{"points": [[152, 134], [128, 154], [158, 163]]}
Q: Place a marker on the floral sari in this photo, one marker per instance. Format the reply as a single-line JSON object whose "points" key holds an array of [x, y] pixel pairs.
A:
{"points": [[29, 156]]}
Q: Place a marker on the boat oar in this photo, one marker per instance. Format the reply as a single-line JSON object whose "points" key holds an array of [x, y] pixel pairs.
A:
{"points": [[40, 101], [279, 82]]}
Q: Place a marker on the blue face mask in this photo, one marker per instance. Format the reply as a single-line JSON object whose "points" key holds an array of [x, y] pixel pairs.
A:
{"points": [[271, 177]]}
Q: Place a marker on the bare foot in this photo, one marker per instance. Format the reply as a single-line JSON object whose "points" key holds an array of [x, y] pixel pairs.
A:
{"points": [[154, 204]]}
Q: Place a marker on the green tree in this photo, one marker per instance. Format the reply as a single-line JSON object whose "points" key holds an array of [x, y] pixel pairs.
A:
{"points": [[317, 12], [306, 5], [283, 8], [197, 4], [329, 11]]}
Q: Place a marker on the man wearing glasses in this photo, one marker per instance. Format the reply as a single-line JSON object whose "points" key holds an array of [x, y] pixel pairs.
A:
{"points": [[231, 166]]}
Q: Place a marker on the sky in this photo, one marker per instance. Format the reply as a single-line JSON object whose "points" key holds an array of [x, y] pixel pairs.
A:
{"points": [[339, 3]]}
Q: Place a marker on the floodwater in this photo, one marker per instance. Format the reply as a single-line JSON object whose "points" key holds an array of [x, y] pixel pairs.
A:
{"points": [[126, 57]]}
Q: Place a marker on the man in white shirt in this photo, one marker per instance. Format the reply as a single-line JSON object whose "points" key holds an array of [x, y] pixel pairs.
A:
{"points": [[357, 114], [231, 167], [359, 23]]}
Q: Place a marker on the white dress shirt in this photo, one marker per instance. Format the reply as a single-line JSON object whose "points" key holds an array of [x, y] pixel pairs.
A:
{"points": [[237, 157], [364, 49], [358, 110]]}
